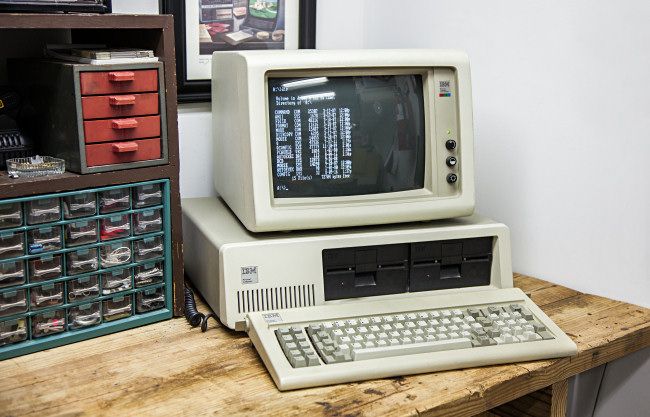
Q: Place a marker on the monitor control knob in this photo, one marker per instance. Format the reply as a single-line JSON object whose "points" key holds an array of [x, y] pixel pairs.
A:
{"points": [[450, 144], [451, 161], [452, 178]]}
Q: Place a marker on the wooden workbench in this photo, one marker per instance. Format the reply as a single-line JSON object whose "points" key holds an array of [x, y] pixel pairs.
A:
{"points": [[170, 369]]}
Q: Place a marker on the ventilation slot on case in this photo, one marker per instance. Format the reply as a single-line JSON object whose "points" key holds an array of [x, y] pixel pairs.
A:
{"points": [[277, 298]]}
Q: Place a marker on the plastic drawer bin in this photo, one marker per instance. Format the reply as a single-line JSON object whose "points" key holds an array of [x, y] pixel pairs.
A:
{"points": [[85, 263]]}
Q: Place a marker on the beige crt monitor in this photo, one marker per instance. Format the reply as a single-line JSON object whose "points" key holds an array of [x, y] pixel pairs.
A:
{"points": [[312, 139]]}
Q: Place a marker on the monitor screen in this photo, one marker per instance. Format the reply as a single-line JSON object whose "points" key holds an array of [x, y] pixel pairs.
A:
{"points": [[263, 9], [346, 135]]}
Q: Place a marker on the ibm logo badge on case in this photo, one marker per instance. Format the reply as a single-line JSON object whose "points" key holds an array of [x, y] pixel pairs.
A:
{"points": [[249, 275]]}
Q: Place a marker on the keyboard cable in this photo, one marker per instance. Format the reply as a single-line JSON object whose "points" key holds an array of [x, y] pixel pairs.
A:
{"points": [[193, 316]]}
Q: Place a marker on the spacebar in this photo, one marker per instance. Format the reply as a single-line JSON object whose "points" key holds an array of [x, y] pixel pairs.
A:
{"points": [[411, 349]]}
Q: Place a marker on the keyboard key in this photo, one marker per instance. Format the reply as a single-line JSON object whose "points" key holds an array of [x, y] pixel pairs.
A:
{"points": [[312, 359], [526, 313], [546, 335], [291, 346], [298, 362], [283, 331], [410, 349]]}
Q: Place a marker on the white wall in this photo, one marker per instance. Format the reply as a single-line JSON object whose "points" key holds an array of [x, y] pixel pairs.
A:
{"points": [[135, 6]]}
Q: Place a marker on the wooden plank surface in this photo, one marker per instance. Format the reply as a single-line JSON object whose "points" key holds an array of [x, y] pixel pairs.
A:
{"points": [[170, 369], [548, 402]]}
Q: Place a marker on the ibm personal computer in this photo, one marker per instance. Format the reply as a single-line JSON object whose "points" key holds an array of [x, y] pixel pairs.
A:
{"points": [[344, 241]]}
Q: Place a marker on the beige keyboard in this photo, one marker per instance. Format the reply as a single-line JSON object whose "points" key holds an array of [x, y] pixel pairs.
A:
{"points": [[361, 340]]}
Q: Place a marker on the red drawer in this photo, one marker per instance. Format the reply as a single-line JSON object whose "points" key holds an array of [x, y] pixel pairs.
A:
{"points": [[107, 130], [124, 105], [122, 152], [122, 81]]}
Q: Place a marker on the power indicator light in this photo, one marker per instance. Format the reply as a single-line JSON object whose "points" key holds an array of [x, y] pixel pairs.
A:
{"points": [[449, 131]]}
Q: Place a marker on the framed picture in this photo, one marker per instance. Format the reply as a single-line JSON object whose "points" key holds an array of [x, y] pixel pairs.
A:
{"points": [[206, 26]]}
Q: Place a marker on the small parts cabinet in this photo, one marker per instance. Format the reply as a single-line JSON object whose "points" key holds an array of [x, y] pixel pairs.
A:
{"points": [[85, 263], [97, 117]]}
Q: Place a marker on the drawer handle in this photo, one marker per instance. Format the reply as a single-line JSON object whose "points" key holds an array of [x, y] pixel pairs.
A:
{"points": [[121, 100], [120, 76], [124, 124], [124, 147]]}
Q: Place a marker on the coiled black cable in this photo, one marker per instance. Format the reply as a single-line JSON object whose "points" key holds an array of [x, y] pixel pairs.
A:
{"points": [[193, 316], [191, 313]]}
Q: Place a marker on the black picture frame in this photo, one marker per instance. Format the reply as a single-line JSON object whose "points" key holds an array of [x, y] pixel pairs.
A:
{"points": [[190, 91]]}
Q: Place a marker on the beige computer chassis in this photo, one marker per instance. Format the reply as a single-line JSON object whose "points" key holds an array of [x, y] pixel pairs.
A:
{"points": [[242, 156], [239, 272]]}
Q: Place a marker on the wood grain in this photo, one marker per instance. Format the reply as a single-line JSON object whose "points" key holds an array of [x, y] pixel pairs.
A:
{"points": [[170, 369], [548, 402]]}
